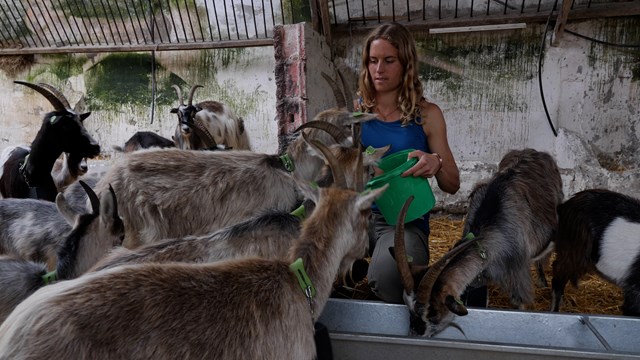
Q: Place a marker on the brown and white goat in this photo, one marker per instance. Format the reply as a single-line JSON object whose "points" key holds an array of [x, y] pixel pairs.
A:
{"points": [[240, 309], [511, 220], [62, 130], [599, 231], [170, 193], [208, 125], [91, 237]]}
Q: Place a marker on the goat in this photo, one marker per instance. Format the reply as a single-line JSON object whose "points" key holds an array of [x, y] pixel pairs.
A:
{"points": [[598, 232], [267, 235], [67, 168], [511, 221], [240, 309], [231, 185], [207, 125], [144, 140], [92, 235], [33, 229], [62, 131]]}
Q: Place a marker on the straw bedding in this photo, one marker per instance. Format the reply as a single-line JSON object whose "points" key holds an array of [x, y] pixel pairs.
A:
{"points": [[593, 295]]}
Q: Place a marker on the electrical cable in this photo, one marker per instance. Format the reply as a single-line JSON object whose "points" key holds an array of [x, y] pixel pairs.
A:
{"points": [[601, 41], [544, 37], [544, 103]]}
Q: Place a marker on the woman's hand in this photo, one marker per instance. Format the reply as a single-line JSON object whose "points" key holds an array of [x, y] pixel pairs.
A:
{"points": [[427, 166]]}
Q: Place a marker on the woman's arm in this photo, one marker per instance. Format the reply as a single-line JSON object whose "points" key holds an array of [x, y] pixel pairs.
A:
{"points": [[443, 167]]}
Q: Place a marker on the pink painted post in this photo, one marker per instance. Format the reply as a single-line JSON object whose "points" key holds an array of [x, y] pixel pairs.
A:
{"points": [[290, 73]]}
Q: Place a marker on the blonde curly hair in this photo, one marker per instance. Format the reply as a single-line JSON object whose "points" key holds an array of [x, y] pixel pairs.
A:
{"points": [[410, 94]]}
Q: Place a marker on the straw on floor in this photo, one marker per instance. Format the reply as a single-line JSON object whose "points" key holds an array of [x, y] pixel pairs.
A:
{"points": [[593, 295]]}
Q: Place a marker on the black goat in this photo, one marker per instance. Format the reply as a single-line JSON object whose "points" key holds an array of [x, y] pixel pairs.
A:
{"points": [[28, 173], [144, 140]]}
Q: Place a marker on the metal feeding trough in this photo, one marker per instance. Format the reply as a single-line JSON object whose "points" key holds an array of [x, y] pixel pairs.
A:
{"points": [[374, 330]]}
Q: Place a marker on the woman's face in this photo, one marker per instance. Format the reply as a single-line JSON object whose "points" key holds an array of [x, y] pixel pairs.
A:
{"points": [[385, 69]]}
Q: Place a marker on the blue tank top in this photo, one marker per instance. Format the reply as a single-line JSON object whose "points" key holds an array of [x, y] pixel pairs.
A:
{"points": [[378, 133]]}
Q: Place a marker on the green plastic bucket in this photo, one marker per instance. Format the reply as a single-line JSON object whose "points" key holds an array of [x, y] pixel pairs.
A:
{"points": [[400, 188]]}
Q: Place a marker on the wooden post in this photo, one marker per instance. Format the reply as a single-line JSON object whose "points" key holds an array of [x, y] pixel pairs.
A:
{"points": [[561, 21]]}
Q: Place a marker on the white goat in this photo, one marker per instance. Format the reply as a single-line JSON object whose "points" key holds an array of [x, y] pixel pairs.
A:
{"points": [[164, 193], [240, 309], [510, 222], [599, 231]]}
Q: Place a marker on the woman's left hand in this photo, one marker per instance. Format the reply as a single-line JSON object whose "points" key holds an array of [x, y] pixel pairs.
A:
{"points": [[427, 166]]}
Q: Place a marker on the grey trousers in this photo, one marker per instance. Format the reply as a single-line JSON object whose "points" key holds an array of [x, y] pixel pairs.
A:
{"points": [[383, 276]]}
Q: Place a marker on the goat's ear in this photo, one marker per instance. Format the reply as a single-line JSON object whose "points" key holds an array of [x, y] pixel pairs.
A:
{"points": [[84, 115], [108, 207], [368, 197], [65, 209], [174, 110], [455, 305], [371, 157], [308, 190]]}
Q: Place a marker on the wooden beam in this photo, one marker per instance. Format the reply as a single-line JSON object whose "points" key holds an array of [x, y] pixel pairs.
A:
{"points": [[326, 20], [561, 21], [596, 11], [129, 48]]}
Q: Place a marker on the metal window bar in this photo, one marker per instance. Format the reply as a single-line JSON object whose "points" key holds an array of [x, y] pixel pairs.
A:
{"points": [[57, 26]]}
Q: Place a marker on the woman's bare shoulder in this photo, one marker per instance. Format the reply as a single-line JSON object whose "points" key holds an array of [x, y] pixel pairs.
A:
{"points": [[431, 113]]}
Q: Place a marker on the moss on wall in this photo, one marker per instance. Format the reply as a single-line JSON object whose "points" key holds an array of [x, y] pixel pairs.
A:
{"points": [[455, 66], [67, 65], [126, 78]]}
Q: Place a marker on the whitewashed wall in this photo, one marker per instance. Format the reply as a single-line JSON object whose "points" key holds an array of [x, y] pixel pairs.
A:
{"points": [[241, 78]]}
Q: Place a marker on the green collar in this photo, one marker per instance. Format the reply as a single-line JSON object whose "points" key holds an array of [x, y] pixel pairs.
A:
{"points": [[297, 267], [50, 277], [300, 213], [287, 162], [481, 250]]}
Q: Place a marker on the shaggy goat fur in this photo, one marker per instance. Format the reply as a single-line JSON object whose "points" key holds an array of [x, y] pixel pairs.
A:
{"points": [[238, 309], [511, 221]]}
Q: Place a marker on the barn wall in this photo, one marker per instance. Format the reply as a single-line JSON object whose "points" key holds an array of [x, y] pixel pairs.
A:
{"points": [[487, 86], [119, 88], [486, 83]]}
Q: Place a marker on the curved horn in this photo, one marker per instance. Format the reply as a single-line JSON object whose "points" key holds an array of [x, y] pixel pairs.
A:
{"points": [[57, 94], [95, 203], [115, 202], [339, 179], [356, 134], [335, 131], [204, 134], [193, 90], [337, 92], [360, 171], [423, 294], [400, 250], [179, 92], [57, 104]]}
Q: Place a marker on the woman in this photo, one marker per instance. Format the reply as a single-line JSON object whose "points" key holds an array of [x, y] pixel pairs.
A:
{"points": [[389, 86]]}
